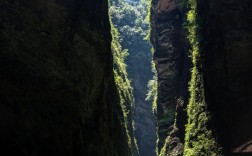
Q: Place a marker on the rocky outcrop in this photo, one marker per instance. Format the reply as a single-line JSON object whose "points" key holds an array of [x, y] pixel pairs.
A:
{"points": [[57, 91], [227, 58], [172, 68], [221, 40]]}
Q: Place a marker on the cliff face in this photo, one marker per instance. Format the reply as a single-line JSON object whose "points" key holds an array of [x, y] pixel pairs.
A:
{"points": [[228, 66], [57, 92], [219, 109], [172, 68]]}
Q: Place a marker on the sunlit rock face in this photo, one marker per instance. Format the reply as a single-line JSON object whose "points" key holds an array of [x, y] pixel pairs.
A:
{"points": [[171, 63], [228, 66], [57, 92]]}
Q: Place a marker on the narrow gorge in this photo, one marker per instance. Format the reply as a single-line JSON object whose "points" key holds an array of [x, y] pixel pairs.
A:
{"points": [[125, 77]]}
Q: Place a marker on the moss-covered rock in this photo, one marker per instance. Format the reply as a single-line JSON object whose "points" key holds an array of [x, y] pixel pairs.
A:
{"points": [[57, 89]]}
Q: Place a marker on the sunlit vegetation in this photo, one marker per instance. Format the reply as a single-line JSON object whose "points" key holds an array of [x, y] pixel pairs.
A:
{"points": [[124, 88], [169, 117], [153, 89], [148, 19], [152, 95], [199, 139], [163, 150], [130, 20], [152, 84], [131, 26]]}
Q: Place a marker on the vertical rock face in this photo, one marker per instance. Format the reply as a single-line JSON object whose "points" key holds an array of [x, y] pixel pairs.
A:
{"points": [[222, 36], [57, 94], [169, 57], [228, 69]]}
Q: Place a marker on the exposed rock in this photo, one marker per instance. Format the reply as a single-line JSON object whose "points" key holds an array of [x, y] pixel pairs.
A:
{"points": [[57, 91], [171, 63], [244, 148], [225, 27], [228, 68], [174, 145]]}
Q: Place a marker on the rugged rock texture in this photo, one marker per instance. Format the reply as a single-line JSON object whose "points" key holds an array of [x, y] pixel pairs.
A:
{"points": [[57, 92], [172, 69], [228, 69], [223, 36]]}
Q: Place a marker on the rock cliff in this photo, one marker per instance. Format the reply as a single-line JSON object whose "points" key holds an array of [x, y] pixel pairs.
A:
{"points": [[171, 62], [227, 58], [219, 110], [57, 89]]}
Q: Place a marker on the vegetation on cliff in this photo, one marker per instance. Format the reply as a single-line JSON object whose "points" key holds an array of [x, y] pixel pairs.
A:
{"points": [[152, 92], [129, 18], [199, 139], [124, 88]]}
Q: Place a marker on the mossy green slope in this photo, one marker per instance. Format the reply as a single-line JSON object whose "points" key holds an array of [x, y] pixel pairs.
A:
{"points": [[199, 139], [124, 89]]}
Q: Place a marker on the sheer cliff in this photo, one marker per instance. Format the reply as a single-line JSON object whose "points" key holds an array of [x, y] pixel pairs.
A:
{"points": [[65, 87], [171, 62], [57, 89], [227, 68], [216, 37]]}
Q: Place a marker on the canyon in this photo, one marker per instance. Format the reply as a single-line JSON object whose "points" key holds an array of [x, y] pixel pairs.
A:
{"points": [[73, 83]]}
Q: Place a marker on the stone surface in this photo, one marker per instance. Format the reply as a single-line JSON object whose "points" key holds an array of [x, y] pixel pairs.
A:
{"points": [[172, 67], [225, 27], [57, 91], [228, 68]]}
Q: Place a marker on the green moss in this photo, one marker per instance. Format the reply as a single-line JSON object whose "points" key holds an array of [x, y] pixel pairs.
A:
{"points": [[148, 19], [124, 88], [169, 118], [153, 88], [199, 139], [163, 150], [153, 93]]}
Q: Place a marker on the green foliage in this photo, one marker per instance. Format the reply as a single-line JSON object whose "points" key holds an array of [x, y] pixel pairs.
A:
{"points": [[199, 139], [153, 89], [130, 20], [168, 118], [163, 150], [124, 87], [148, 19]]}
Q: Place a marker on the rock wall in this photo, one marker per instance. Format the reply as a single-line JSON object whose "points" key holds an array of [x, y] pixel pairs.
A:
{"points": [[224, 43], [227, 57], [172, 68], [57, 91]]}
